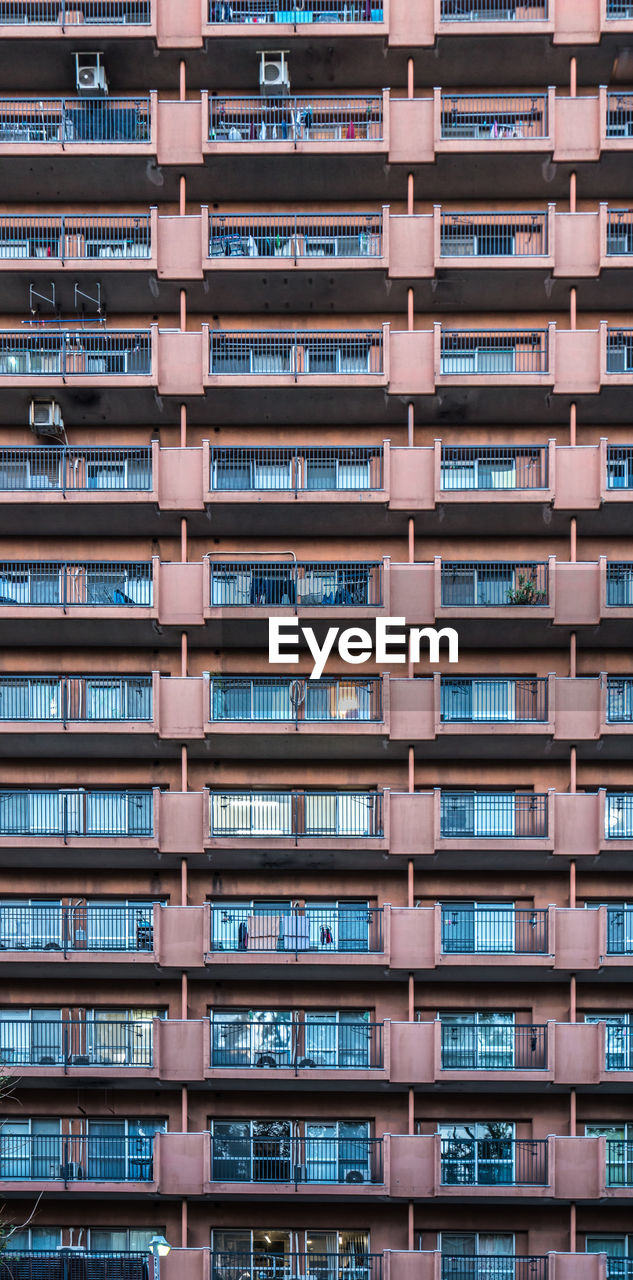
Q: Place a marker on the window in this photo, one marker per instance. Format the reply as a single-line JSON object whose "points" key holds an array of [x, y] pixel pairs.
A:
{"points": [[122, 1239], [478, 1153], [488, 927], [460, 1249], [619, 1157], [617, 1039], [619, 1251], [278, 925], [290, 1151], [41, 1239], [483, 1040], [260, 1254], [122, 1150], [30, 1149], [30, 924], [32, 1037]]}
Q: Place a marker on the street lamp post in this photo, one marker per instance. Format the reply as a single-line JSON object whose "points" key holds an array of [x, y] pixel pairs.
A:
{"points": [[159, 1247]]}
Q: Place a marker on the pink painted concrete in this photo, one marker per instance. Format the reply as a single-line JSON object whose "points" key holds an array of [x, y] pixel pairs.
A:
{"points": [[576, 129], [179, 24], [577, 594], [183, 592], [578, 1168], [411, 593], [413, 1052], [578, 1053], [180, 1049], [579, 476], [412, 823], [181, 129], [183, 703], [413, 1166], [181, 360], [577, 360], [577, 238], [184, 821], [412, 476], [578, 707], [577, 938], [182, 1161], [412, 940], [183, 935], [181, 482], [180, 248], [412, 1266], [578, 824], [411, 245], [412, 710], [411, 124]]}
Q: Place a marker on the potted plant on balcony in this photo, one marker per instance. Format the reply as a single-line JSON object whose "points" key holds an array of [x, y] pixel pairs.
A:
{"points": [[525, 592]]}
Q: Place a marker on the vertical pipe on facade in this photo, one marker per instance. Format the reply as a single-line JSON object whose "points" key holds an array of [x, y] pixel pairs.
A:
{"points": [[410, 1232], [182, 87], [183, 426], [184, 549], [410, 883], [572, 655], [572, 193], [182, 204], [183, 1206], [183, 654], [573, 77], [183, 310], [572, 1113], [183, 997], [572, 424], [410, 84], [572, 998], [572, 307], [572, 1228], [410, 204], [411, 1111], [572, 883], [184, 1120], [410, 312], [184, 882], [410, 425], [184, 770], [572, 771], [573, 542]]}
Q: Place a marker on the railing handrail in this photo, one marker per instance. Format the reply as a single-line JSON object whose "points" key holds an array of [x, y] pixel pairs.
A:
{"points": [[85, 927], [136, 13]]}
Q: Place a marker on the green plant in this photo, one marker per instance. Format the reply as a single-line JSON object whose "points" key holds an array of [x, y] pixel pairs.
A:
{"points": [[525, 592]]}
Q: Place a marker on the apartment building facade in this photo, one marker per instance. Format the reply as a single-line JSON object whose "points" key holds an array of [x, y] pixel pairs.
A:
{"points": [[319, 311]]}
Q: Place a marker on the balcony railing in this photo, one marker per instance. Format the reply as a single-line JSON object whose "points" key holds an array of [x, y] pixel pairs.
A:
{"points": [[299, 353], [76, 813], [620, 341], [52, 1157], [619, 931], [494, 930], [619, 1162], [619, 815], [298, 235], [495, 117], [488, 1267], [95, 584], [246, 11], [493, 235], [56, 1043], [620, 113], [493, 1162], [293, 1266], [73, 120], [76, 698], [68, 236], [323, 930], [316, 118], [88, 927], [620, 700], [64, 469], [620, 227], [495, 814], [475, 699], [494, 10], [618, 1054], [244, 583], [282, 698], [72, 1264], [620, 466], [494, 467], [69, 12], [620, 582], [296, 1160], [620, 1268], [75, 353], [303, 468], [619, 9], [494, 352], [487, 1047], [494, 583], [326, 1046], [333, 814]]}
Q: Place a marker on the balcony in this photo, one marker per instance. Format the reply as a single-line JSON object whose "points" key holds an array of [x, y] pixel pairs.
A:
{"points": [[298, 1045], [502, 930], [62, 13], [309, 584], [71, 121], [298, 814], [304, 470], [471, 699], [353, 1266], [293, 354], [71, 1263], [619, 931], [76, 699], [296, 1160], [65, 813], [102, 239], [314, 121], [619, 816], [479, 814], [221, 12], [493, 467], [57, 1158], [95, 584], [619, 9], [63, 470], [619, 1162], [470, 236], [494, 11], [494, 352], [619, 116], [78, 1043], [485, 1047], [85, 928], [619, 591], [618, 1048], [494, 584], [321, 930], [494, 118], [75, 354], [485, 1267], [282, 699], [492, 1162], [311, 239]]}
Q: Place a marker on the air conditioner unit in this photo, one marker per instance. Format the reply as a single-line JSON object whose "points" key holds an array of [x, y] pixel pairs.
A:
{"points": [[356, 1175], [274, 76], [45, 419], [90, 75]]}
